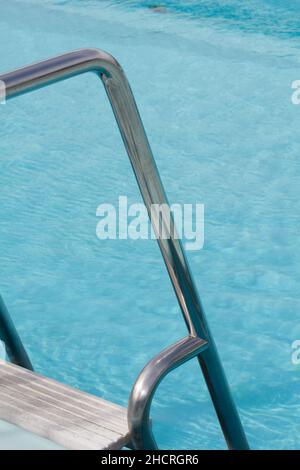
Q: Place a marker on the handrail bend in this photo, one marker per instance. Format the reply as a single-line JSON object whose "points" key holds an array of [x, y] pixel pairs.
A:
{"points": [[60, 68], [147, 383]]}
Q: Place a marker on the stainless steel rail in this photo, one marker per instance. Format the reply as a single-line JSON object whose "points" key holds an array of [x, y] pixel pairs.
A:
{"points": [[147, 383], [12, 342], [135, 140]]}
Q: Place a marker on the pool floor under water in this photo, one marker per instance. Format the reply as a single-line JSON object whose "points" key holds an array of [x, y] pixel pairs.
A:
{"points": [[15, 438]]}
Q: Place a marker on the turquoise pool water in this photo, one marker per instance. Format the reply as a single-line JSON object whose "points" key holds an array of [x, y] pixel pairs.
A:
{"points": [[213, 84]]}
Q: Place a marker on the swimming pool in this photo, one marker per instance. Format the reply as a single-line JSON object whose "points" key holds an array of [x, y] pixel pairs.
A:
{"points": [[214, 89]]}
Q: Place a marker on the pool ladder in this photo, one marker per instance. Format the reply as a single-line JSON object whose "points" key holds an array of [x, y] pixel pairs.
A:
{"points": [[199, 342]]}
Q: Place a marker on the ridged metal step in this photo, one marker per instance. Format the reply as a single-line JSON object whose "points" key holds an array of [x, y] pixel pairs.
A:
{"points": [[62, 414]]}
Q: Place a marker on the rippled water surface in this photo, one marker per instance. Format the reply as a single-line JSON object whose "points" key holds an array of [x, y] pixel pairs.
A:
{"points": [[213, 84]]}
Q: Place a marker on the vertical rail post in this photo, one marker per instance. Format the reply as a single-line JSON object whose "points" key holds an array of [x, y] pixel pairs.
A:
{"points": [[12, 341], [152, 190]]}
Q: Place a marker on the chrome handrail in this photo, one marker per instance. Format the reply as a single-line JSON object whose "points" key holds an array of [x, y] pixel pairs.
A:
{"points": [[44, 73], [147, 384]]}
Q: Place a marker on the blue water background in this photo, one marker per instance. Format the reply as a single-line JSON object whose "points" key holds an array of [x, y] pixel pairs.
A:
{"points": [[213, 84]]}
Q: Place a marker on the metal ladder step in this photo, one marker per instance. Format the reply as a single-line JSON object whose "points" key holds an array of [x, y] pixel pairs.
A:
{"points": [[74, 419]]}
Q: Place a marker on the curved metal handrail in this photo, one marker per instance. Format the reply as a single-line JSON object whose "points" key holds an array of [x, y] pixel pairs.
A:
{"points": [[60, 68], [147, 383]]}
